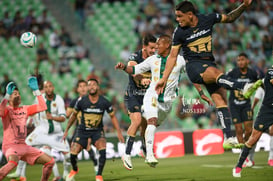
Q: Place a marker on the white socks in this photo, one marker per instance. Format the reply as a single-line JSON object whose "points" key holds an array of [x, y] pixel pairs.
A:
{"points": [[149, 137]]}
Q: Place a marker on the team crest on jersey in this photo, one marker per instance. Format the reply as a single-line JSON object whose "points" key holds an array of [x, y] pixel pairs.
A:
{"points": [[261, 126], [205, 65], [78, 138], [156, 70], [156, 62], [235, 120], [136, 107], [54, 104], [92, 106]]}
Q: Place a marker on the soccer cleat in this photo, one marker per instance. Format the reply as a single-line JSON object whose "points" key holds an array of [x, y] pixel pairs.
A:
{"points": [[248, 163], [250, 88], [270, 162], [230, 143], [99, 178], [151, 161], [13, 175], [236, 172], [127, 163], [19, 179], [71, 175]]}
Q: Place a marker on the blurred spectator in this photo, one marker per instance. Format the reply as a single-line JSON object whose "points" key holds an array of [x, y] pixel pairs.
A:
{"points": [[65, 36], [41, 54], [150, 10], [54, 39], [166, 8], [267, 45], [63, 49], [105, 84], [67, 99], [44, 21], [28, 19], [17, 16], [8, 22], [3, 30], [92, 75], [64, 66], [5, 83], [79, 9], [125, 53], [81, 51]]}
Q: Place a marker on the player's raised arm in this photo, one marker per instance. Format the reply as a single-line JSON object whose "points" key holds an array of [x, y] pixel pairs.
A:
{"points": [[9, 89], [233, 15], [41, 106], [168, 69]]}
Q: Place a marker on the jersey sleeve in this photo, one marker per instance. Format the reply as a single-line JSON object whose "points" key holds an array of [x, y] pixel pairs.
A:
{"points": [[36, 108], [215, 17], [108, 107], [144, 66], [259, 93], [177, 36], [61, 107], [132, 57], [77, 106]]}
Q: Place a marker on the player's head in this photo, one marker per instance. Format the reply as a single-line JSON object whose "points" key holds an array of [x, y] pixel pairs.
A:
{"points": [[93, 87], [242, 60], [82, 87], [184, 12], [15, 98], [148, 45], [49, 88], [164, 44]]}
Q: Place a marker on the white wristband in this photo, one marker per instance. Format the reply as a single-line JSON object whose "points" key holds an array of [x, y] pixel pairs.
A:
{"points": [[7, 96], [37, 93]]}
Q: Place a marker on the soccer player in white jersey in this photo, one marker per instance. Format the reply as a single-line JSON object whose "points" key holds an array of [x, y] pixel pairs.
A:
{"points": [[156, 107], [48, 130]]}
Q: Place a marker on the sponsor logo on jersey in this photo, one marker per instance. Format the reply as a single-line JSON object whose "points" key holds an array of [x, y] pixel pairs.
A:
{"points": [[198, 34], [207, 142]]}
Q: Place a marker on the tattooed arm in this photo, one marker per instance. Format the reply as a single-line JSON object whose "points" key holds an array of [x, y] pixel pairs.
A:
{"points": [[233, 15]]}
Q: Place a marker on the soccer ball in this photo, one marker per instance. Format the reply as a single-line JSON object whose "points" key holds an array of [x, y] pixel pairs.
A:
{"points": [[28, 39]]}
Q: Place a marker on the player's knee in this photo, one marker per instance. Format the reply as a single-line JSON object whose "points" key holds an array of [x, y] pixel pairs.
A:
{"points": [[152, 121], [50, 164]]}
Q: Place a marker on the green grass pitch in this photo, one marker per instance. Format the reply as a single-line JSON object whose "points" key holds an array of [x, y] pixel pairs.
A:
{"points": [[188, 168]]}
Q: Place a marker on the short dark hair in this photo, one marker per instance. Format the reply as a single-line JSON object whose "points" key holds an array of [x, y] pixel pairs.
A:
{"points": [[185, 6], [92, 79], [80, 81], [243, 54], [148, 38]]}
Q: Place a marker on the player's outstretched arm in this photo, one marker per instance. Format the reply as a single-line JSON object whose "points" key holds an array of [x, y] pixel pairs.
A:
{"points": [[116, 125], [125, 68], [233, 15], [9, 90], [41, 106]]}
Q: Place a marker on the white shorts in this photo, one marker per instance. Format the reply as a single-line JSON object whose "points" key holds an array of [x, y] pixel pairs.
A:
{"points": [[54, 140], [153, 108]]}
